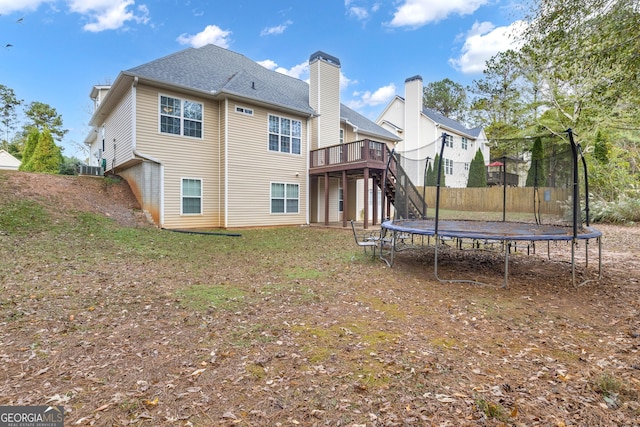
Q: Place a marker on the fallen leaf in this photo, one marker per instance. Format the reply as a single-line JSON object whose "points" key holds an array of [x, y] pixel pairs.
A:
{"points": [[102, 408], [153, 402]]}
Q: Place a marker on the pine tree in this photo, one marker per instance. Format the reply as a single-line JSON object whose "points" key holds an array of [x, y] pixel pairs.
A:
{"points": [[537, 175], [601, 149], [477, 172], [434, 174], [29, 148], [47, 156], [430, 179]]}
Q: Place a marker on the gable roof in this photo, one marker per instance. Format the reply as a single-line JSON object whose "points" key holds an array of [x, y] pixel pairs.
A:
{"points": [[365, 125], [450, 123], [216, 70]]}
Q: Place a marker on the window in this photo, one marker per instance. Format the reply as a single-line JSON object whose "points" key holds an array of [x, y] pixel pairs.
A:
{"points": [[284, 135], [284, 198], [464, 143], [448, 141], [466, 166], [191, 196], [340, 198], [448, 167], [180, 117], [244, 110], [341, 136]]}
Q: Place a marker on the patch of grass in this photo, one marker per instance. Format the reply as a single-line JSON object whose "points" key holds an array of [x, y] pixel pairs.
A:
{"points": [[299, 273], [491, 409], [444, 342], [23, 216], [391, 310], [203, 297]]}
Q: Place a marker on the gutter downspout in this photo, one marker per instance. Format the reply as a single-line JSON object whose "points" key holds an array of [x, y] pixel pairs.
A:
{"points": [[307, 169], [355, 128], [226, 162]]}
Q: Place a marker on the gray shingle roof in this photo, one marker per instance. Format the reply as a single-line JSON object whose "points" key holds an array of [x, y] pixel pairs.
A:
{"points": [[364, 124], [214, 69], [450, 123]]}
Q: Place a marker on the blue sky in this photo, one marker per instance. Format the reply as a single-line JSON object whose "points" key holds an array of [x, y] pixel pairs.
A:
{"points": [[60, 49]]}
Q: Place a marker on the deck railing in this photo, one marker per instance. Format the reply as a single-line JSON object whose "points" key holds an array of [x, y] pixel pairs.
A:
{"points": [[352, 152]]}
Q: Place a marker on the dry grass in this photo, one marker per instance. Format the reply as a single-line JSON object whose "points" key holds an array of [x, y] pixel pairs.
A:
{"points": [[130, 325]]}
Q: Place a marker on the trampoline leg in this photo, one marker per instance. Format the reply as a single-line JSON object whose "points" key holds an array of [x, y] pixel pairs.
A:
{"points": [[573, 262], [586, 253], [435, 257], [506, 263], [599, 258]]}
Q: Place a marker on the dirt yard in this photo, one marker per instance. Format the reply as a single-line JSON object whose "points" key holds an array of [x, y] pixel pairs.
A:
{"points": [[124, 324]]}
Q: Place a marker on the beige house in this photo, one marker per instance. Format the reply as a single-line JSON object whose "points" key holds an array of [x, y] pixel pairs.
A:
{"points": [[421, 131], [208, 138], [8, 162]]}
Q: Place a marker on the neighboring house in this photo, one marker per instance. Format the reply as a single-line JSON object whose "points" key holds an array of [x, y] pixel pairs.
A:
{"points": [[8, 162], [421, 131], [206, 137]]}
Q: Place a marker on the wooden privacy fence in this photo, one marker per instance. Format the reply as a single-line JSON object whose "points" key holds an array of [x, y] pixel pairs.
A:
{"points": [[519, 199]]}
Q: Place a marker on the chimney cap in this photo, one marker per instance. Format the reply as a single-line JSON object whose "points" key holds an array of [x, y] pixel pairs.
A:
{"points": [[324, 56], [416, 77]]}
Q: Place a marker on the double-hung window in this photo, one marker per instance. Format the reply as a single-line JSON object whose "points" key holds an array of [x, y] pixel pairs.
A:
{"points": [[180, 117], [285, 198], [191, 196], [464, 143], [448, 141], [285, 135], [448, 167]]}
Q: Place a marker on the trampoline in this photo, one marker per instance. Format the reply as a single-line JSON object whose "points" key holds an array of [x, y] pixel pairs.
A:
{"points": [[504, 233], [395, 233]]}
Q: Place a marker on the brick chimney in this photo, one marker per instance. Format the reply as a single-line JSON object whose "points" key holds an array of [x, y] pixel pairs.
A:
{"points": [[324, 97]]}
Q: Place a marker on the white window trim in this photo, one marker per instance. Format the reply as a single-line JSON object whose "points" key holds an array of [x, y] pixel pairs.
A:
{"points": [[244, 110], [291, 153], [285, 198], [182, 196], [182, 118]]}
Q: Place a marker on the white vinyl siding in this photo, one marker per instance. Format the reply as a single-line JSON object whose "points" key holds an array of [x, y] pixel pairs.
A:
{"points": [[118, 128], [252, 169], [183, 157]]}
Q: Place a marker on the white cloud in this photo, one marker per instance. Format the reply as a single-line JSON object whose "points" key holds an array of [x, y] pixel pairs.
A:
{"points": [[416, 13], [369, 99], [108, 14], [279, 29], [297, 71], [360, 12], [212, 34], [483, 41], [9, 6]]}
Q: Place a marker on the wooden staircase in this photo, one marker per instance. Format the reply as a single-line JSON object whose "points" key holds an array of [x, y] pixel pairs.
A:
{"points": [[403, 194]]}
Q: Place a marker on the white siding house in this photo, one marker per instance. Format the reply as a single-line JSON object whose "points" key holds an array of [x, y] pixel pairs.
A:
{"points": [[421, 131]]}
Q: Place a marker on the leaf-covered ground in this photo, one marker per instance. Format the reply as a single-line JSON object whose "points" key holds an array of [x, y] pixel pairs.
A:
{"points": [[125, 324]]}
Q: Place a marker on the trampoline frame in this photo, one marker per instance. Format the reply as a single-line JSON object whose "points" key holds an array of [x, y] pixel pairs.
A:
{"points": [[504, 232]]}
